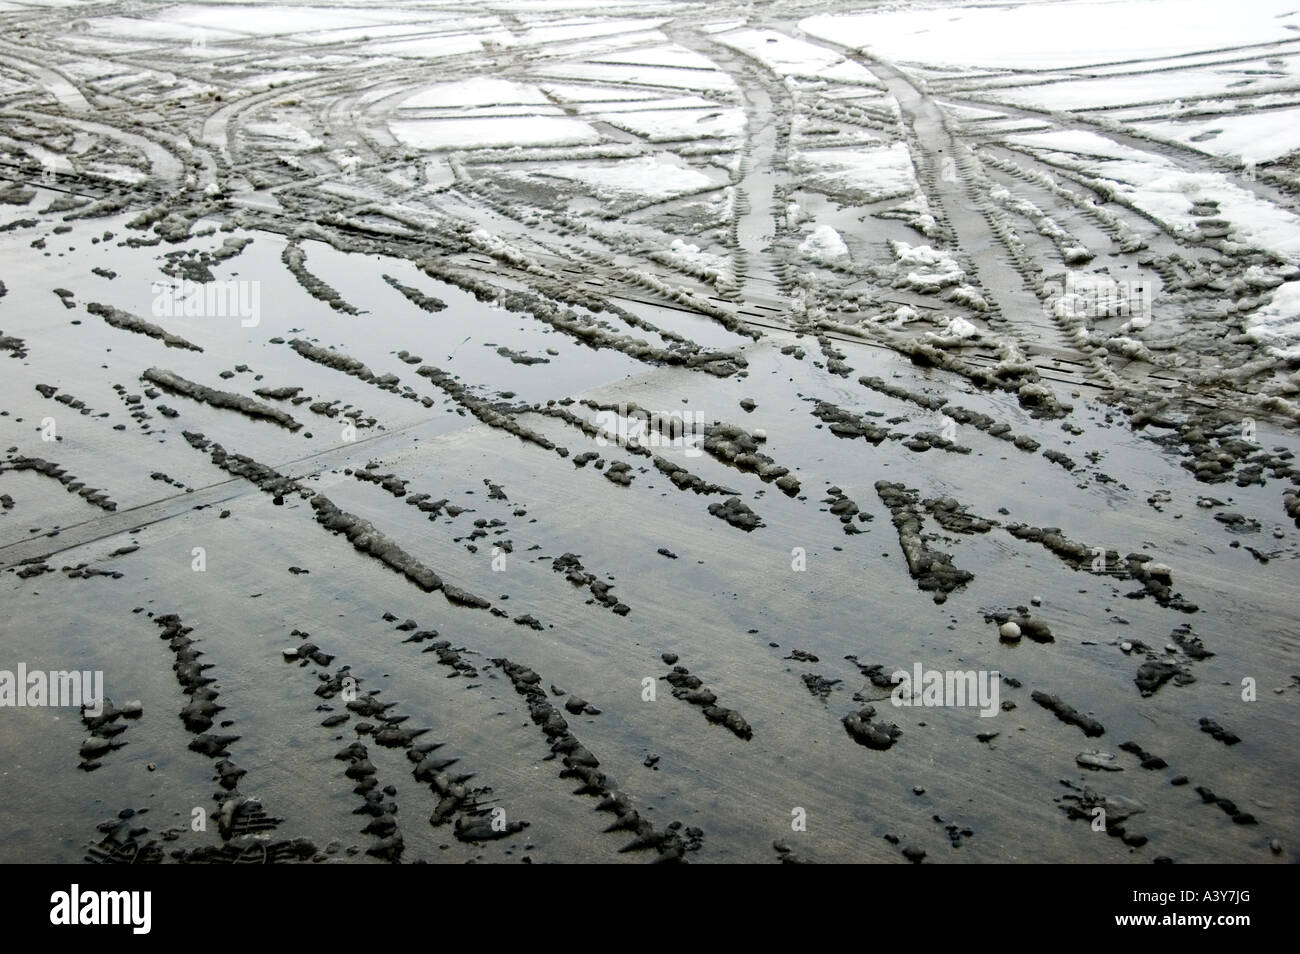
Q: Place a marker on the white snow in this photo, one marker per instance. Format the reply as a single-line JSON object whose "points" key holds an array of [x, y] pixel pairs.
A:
{"points": [[920, 255], [642, 75], [786, 56], [435, 45], [961, 328], [957, 331], [874, 173], [1055, 35], [475, 92], [1277, 324], [306, 24], [824, 244], [1083, 142], [1166, 191], [494, 131], [663, 125], [1249, 137], [585, 28], [931, 270], [669, 54], [1187, 85], [593, 93], [284, 135], [694, 257], [654, 176], [654, 104], [970, 113]]}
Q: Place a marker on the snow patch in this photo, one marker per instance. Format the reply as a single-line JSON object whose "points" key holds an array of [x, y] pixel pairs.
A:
{"points": [[1277, 324], [824, 245]]}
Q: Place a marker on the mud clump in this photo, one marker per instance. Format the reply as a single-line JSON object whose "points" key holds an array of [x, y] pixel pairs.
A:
{"points": [[368, 540], [450, 656], [954, 517], [341, 362], [848, 425], [390, 482], [629, 443], [1228, 806], [1190, 644], [519, 357], [819, 686], [1152, 675], [174, 383], [681, 478], [362, 534], [295, 259], [845, 509], [15, 193], [454, 594], [485, 829], [129, 322], [1238, 523], [691, 689], [737, 513], [1290, 502], [903, 394], [1148, 760], [736, 446], [1218, 732], [92, 495], [787, 855], [1116, 811], [874, 735], [423, 503], [932, 570], [236, 814], [1024, 623], [104, 730], [1068, 714], [485, 411], [266, 479], [1156, 581], [620, 473], [1156, 578], [16, 347], [581, 765], [571, 566], [1056, 457], [1215, 449], [1071, 552], [416, 297], [875, 674], [925, 440]]}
